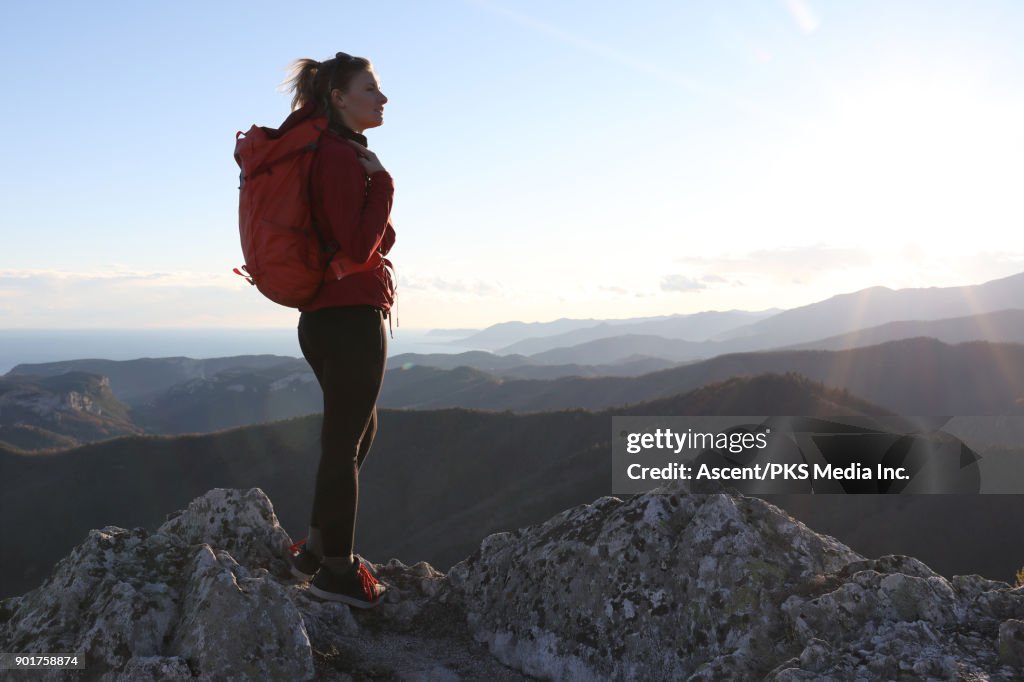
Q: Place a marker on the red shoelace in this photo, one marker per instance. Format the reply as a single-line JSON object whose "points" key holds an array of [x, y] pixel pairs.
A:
{"points": [[369, 583]]}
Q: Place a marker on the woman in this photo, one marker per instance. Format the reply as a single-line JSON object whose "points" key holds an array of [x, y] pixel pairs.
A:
{"points": [[341, 332]]}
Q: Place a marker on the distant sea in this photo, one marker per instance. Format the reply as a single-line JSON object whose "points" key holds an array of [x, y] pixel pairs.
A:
{"points": [[19, 346]]}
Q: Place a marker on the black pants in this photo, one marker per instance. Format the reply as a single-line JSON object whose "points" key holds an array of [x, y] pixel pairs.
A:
{"points": [[347, 349]]}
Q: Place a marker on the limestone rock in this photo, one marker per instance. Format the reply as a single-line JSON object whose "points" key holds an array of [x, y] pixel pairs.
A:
{"points": [[711, 587], [1011, 643], [661, 586], [208, 596], [147, 604]]}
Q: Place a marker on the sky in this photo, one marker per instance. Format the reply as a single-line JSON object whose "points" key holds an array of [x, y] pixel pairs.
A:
{"points": [[570, 159]]}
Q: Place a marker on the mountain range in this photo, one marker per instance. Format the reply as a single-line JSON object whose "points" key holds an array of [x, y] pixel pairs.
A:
{"points": [[438, 480], [918, 376], [712, 333], [606, 363]]}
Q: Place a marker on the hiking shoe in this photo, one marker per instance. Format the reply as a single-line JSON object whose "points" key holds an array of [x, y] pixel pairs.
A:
{"points": [[304, 564], [355, 587]]}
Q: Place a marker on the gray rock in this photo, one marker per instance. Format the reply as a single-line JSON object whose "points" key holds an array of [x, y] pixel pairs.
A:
{"points": [[662, 586], [144, 604], [657, 587], [670, 586], [1011, 643], [208, 596]]}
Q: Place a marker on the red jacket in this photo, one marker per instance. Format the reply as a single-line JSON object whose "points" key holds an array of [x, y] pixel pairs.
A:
{"points": [[353, 210]]}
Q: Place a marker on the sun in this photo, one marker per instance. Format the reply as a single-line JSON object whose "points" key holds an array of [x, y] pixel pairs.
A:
{"points": [[932, 159]]}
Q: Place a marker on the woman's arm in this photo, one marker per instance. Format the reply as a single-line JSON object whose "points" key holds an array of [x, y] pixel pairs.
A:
{"points": [[357, 218]]}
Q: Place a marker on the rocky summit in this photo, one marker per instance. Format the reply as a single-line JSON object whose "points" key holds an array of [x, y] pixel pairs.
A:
{"points": [[661, 586]]}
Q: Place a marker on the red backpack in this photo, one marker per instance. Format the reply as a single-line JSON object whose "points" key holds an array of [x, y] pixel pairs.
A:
{"points": [[286, 257]]}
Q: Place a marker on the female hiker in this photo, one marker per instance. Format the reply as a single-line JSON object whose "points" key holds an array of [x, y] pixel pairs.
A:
{"points": [[341, 332]]}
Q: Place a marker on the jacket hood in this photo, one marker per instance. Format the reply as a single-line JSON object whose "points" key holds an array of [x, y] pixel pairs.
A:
{"points": [[309, 110]]}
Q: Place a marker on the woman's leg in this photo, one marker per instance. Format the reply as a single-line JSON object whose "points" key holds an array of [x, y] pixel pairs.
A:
{"points": [[313, 541], [349, 348], [364, 449], [368, 436]]}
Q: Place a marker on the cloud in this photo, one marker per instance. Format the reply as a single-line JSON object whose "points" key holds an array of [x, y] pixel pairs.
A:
{"points": [[435, 284], [762, 267], [988, 259], [119, 297], [900, 264], [118, 275], [783, 263], [681, 283], [807, 263], [814, 257]]}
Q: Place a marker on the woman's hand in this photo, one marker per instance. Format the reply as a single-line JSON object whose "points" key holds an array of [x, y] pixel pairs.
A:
{"points": [[369, 160]]}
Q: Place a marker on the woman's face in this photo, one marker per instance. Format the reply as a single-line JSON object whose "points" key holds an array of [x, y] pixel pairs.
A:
{"points": [[362, 105]]}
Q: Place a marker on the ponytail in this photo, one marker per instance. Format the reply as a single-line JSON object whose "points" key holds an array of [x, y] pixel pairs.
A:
{"points": [[301, 81], [312, 81]]}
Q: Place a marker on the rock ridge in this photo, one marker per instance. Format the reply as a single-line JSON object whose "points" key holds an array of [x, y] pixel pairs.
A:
{"points": [[661, 586]]}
